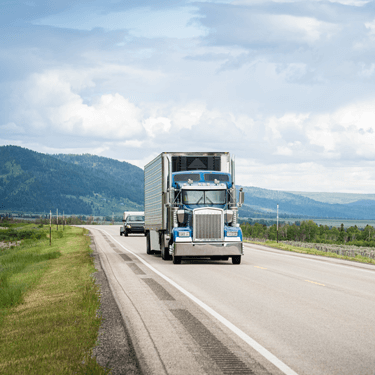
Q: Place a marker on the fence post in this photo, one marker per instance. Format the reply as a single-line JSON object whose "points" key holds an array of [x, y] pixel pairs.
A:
{"points": [[50, 228]]}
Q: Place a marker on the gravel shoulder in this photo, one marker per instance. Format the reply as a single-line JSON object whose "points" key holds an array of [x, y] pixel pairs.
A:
{"points": [[114, 349]]}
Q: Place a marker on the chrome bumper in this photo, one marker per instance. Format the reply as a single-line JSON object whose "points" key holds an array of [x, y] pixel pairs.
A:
{"points": [[207, 249]]}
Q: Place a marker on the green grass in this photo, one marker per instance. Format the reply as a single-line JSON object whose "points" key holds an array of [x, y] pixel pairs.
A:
{"points": [[282, 246], [48, 306]]}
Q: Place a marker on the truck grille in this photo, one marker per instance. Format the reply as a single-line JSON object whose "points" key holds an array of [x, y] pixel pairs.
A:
{"points": [[208, 224]]}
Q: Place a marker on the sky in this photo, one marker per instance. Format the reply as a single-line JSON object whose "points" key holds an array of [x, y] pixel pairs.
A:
{"points": [[286, 86]]}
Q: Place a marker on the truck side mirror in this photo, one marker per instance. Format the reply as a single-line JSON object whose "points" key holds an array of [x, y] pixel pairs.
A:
{"points": [[241, 198]]}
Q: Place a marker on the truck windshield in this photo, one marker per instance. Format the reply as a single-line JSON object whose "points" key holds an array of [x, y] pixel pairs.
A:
{"points": [[203, 197], [136, 218]]}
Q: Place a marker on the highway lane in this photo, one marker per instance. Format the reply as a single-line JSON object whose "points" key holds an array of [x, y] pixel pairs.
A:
{"points": [[315, 316]]}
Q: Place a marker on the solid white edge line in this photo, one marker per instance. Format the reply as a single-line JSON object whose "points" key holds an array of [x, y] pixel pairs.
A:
{"points": [[326, 260], [255, 345]]}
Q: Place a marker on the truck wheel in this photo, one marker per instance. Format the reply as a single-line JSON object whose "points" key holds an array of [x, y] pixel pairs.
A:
{"points": [[120, 233], [126, 233], [148, 243], [176, 260], [236, 259], [165, 253]]}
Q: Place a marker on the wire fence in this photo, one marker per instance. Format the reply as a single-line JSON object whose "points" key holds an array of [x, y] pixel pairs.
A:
{"points": [[345, 250]]}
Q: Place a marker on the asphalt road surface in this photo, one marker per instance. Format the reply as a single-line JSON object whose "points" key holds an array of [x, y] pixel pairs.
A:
{"points": [[275, 313]]}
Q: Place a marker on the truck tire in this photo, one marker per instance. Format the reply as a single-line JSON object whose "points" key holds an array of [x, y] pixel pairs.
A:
{"points": [[165, 254], [176, 260], [126, 233], [148, 243], [236, 259], [120, 233]]}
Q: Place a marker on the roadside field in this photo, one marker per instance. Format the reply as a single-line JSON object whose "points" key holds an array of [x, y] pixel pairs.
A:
{"points": [[48, 304], [358, 257]]}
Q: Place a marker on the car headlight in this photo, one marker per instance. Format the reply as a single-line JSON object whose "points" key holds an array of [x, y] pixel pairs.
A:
{"points": [[232, 234], [128, 226], [184, 234]]}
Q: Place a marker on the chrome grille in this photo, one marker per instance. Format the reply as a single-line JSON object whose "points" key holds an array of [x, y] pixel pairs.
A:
{"points": [[208, 224]]}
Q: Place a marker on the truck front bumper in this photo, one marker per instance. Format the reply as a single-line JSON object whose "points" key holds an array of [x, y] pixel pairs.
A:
{"points": [[190, 249]]}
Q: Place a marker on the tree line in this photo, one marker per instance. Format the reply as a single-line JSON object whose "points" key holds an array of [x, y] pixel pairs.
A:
{"points": [[308, 231]]}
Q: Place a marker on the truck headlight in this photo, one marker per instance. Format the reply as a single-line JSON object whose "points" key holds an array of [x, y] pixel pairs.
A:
{"points": [[232, 234], [184, 234]]}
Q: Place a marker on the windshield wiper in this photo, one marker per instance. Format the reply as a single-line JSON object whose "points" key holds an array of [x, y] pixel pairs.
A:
{"points": [[199, 199]]}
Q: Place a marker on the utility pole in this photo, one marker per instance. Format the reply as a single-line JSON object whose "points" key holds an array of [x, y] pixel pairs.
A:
{"points": [[57, 218], [63, 221], [113, 219], [50, 228], [277, 224]]}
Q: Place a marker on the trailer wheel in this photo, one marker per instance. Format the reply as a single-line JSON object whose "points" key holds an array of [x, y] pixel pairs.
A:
{"points": [[236, 259], [176, 260], [148, 243]]}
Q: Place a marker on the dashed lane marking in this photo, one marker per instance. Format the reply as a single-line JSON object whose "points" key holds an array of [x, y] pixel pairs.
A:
{"points": [[262, 268], [314, 282]]}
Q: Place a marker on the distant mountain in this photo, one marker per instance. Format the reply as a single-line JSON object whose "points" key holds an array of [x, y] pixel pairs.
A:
{"points": [[80, 184], [263, 203], [332, 198], [363, 202]]}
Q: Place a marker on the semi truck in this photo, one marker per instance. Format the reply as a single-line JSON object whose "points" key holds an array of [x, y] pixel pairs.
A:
{"points": [[191, 207], [133, 222]]}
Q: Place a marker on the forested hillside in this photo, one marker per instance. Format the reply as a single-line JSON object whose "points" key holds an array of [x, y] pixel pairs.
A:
{"points": [[35, 182], [104, 168]]}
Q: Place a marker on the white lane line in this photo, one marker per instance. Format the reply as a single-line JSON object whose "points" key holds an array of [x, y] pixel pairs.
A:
{"points": [[255, 345], [301, 256]]}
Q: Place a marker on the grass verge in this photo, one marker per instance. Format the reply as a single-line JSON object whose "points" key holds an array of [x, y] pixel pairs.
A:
{"points": [[48, 306], [295, 249]]}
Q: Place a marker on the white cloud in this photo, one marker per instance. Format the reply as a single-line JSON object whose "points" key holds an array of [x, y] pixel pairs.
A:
{"points": [[306, 29], [158, 125], [49, 101], [370, 26], [312, 176], [350, 129]]}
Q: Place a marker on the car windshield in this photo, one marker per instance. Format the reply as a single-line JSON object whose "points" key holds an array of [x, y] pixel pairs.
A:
{"points": [[203, 197], [136, 218]]}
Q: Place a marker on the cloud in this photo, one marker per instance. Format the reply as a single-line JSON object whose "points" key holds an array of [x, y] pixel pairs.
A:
{"points": [[348, 131], [51, 100], [311, 176]]}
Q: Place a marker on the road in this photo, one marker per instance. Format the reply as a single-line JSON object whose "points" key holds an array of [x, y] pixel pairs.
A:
{"points": [[276, 313]]}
